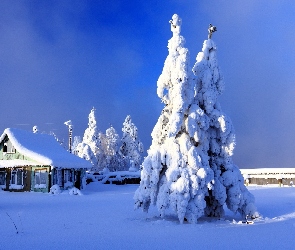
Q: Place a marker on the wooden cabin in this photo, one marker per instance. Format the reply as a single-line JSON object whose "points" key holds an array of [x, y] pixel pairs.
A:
{"points": [[267, 176], [35, 162]]}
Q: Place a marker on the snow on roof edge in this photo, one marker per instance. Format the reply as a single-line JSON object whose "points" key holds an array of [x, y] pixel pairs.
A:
{"points": [[268, 171], [46, 152], [23, 150], [16, 163]]}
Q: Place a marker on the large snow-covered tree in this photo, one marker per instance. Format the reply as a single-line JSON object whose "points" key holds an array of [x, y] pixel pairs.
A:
{"points": [[131, 147], [228, 181], [176, 172], [180, 171]]}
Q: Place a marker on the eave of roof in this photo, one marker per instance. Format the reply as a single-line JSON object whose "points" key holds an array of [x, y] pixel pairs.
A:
{"points": [[43, 149]]}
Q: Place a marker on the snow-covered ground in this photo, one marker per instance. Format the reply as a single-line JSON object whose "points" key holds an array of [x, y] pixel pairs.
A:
{"points": [[103, 218]]}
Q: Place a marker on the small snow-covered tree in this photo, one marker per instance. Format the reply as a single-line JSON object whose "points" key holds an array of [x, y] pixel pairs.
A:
{"points": [[132, 147], [91, 133], [84, 151], [103, 150], [228, 181], [183, 169], [113, 157], [77, 140], [89, 148]]}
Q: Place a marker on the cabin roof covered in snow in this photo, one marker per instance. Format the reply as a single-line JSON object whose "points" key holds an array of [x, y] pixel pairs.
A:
{"points": [[267, 173], [41, 148]]}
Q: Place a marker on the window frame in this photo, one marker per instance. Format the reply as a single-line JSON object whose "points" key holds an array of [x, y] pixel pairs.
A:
{"points": [[3, 173], [42, 175], [17, 174]]}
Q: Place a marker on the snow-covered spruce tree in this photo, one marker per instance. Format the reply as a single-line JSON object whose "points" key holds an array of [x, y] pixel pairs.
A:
{"points": [[84, 151], [77, 140], [132, 147], [89, 148], [228, 182], [113, 157], [176, 172]]}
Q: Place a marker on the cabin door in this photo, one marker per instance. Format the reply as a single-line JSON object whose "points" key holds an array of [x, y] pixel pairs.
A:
{"points": [[78, 179]]}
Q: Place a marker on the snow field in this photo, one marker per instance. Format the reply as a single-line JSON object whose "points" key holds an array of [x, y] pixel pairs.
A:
{"points": [[103, 218]]}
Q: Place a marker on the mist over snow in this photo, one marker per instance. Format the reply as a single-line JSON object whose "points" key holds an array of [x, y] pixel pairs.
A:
{"points": [[59, 59]]}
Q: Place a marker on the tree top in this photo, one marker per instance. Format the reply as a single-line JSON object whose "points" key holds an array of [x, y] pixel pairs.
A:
{"points": [[175, 24], [211, 30]]}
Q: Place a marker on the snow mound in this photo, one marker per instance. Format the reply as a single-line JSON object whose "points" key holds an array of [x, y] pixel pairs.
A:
{"points": [[55, 189], [75, 191]]}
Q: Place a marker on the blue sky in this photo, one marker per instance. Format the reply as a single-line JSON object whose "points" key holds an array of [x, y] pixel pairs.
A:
{"points": [[61, 58]]}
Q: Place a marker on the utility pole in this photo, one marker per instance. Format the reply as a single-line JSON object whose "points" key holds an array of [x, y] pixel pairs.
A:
{"points": [[70, 127]]}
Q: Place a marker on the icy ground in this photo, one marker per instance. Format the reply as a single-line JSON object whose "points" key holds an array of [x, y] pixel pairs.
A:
{"points": [[103, 218]]}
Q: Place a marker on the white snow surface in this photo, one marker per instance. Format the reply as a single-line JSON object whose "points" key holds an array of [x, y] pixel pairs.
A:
{"points": [[103, 218], [41, 148]]}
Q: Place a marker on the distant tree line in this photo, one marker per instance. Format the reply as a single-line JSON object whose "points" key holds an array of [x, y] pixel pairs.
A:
{"points": [[107, 151]]}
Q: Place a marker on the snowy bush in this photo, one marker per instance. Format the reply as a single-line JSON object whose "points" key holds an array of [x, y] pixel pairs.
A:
{"points": [[74, 191], [68, 184], [55, 189], [105, 171], [189, 167]]}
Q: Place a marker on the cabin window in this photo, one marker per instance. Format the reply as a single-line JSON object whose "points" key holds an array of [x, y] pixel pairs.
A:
{"points": [[17, 179], [2, 178], [57, 177], [67, 175], [8, 147], [40, 178], [68, 180]]}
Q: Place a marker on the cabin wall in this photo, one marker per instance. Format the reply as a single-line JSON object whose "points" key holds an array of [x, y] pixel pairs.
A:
{"points": [[11, 154], [3, 178], [40, 178], [17, 179], [34, 178], [68, 178], [266, 181]]}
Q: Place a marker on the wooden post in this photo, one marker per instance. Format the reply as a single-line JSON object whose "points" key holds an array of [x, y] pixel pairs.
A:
{"points": [[70, 127], [70, 138], [280, 182]]}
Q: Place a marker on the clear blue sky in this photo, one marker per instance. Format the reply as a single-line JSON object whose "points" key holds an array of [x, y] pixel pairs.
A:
{"points": [[58, 59]]}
